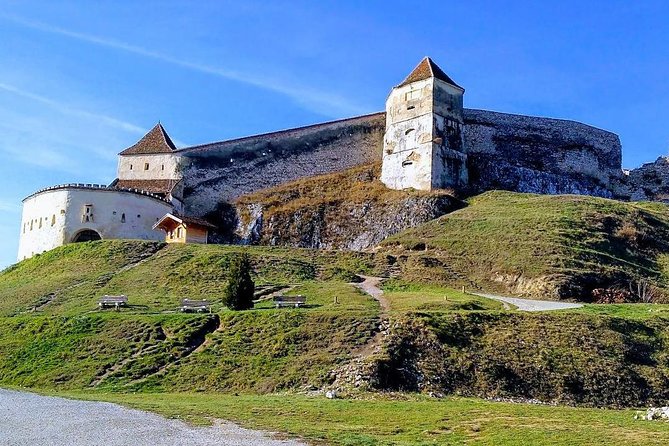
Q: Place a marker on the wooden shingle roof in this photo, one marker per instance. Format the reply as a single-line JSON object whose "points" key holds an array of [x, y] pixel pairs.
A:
{"points": [[156, 141], [425, 70]]}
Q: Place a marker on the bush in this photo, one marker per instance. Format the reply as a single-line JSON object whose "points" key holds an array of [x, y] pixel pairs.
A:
{"points": [[240, 289]]}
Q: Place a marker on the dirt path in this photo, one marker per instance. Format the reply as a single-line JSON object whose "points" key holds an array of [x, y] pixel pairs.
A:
{"points": [[30, 419], [530, 304], [371, 286]]}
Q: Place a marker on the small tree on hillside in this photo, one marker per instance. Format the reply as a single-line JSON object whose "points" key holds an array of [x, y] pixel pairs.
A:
{"points": [[240, 289]]}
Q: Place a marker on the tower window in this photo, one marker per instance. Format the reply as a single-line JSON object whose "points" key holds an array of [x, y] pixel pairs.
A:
{"points": [[406, 163], [413, 94], [146, 166], [123, 218], [409, 131], [131, 167], [53, 219], [411, 107], [162, 167], [87, 217]]}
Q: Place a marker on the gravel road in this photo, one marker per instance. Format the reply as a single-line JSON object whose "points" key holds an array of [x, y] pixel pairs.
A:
{"points": [[531, 305], [35, 420]]}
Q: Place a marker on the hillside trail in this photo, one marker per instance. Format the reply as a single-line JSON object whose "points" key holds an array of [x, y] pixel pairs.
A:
{"points": [[370, 286], [530, 304]]}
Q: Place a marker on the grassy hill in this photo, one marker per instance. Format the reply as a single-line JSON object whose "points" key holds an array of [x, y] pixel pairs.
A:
{"points": [[156, 276], [540, 245]]}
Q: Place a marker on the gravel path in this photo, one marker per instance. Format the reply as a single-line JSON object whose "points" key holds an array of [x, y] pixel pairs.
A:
{"points": [[35, 420], [531, 305]]}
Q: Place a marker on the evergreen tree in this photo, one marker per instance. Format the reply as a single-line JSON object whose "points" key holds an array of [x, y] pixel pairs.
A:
{"points": [[240, 289]]}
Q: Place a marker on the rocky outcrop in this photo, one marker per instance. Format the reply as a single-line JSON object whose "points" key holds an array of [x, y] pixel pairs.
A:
{"points": [[342, 225], [648, 182]]}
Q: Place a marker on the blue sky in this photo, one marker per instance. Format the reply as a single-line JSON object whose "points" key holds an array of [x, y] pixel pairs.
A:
{"points": [[81, 80]]}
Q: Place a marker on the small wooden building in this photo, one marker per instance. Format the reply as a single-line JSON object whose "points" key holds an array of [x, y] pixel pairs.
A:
{"points": [[181, 229]]}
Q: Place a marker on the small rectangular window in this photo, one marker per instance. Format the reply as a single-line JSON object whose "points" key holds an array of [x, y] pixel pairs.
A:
{"points": [[162, 167], [413, 94], [131, 167], [146, 166]]}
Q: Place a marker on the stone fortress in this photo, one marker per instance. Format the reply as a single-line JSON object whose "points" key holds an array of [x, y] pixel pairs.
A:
{"points": [[425, 140]]}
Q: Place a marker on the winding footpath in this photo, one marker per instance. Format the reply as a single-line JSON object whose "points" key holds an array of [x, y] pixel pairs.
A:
{"points": [[27, 419]]}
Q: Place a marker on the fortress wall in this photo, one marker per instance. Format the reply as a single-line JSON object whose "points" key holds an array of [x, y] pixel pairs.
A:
{"points": [[223, 171], [505, 151], [42, 223], [55, 216], [540, 155]]}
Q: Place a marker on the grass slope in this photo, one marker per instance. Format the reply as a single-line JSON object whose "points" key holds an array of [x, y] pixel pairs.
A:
{"points": [[155, 277], [541, 245], [401, 421]]}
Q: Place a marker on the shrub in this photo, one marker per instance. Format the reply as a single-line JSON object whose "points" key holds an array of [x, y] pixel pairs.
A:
{"points": [[240, 289]]}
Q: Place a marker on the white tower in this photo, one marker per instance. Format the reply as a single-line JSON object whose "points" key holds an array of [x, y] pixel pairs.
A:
{"points": [[424, 142]]}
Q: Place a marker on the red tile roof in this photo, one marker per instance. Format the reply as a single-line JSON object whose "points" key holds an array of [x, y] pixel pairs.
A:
{"points": [[425, 70], [156, 141], [188, 221], [154, 186]]}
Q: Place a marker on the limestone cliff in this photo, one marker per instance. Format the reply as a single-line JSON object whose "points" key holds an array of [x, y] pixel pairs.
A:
{"points": [[348, 210]]}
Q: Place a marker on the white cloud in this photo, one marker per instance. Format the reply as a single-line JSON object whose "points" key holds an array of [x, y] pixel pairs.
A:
{"points": [[7, 206], [311, 98], [64, 108]]}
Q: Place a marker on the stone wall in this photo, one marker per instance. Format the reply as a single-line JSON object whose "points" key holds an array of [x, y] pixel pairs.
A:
{"points": [[505, 151], [223, 171], [540, 155], [54, 216], [159, 166]]}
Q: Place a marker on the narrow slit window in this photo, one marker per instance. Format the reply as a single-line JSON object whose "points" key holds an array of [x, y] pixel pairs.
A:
{"points": [[123, 218], [162, 167], [131, 167], [146, 166], [409, 131], [411, 107], [406, 163]]}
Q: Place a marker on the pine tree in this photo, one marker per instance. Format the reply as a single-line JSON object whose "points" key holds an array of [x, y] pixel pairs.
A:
{"points": [[240, 289]]}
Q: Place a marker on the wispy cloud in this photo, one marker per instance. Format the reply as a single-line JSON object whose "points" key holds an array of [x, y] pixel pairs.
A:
{"points": [[7, 206], [311, 98], [64, 108]]}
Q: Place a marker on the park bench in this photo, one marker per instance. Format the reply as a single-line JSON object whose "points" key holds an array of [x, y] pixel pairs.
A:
{"points": [[289, 301], [113, 301], [194, 305]]}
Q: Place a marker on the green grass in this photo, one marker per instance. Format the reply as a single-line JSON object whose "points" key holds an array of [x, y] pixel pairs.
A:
{"points": [[321, 296], [404, 297], [627, 311], [70, 279], [70, 352], [384, 420], [540, 245]]}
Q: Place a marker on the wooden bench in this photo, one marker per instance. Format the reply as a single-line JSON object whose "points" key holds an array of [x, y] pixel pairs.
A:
{"points": [[194, 305], [113, 301], [289, 301]]}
